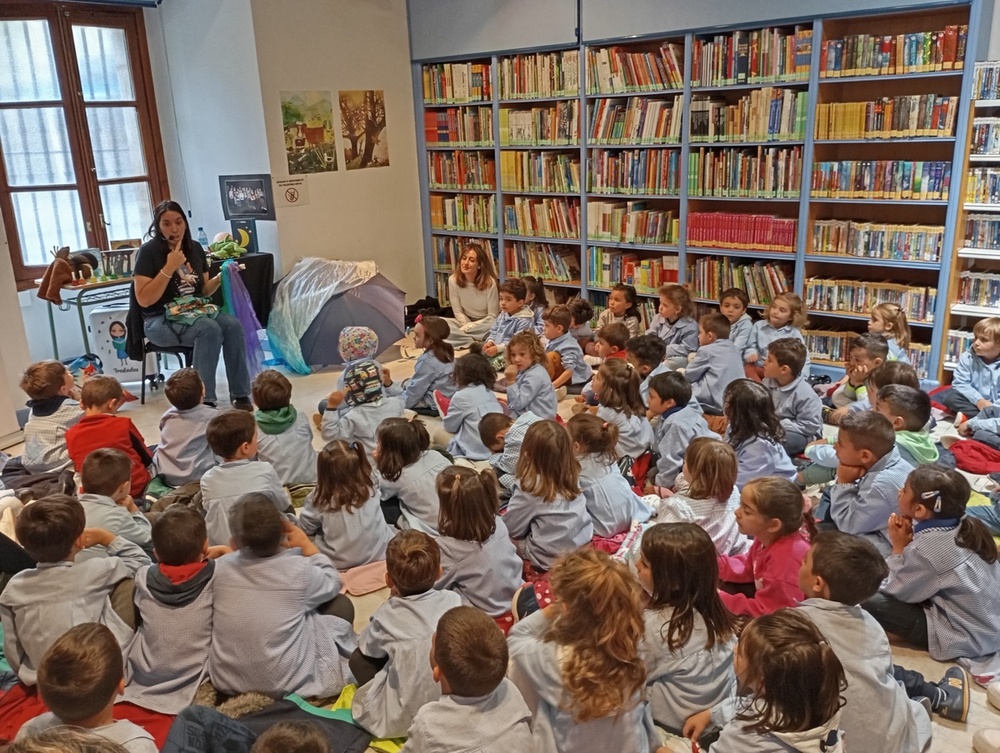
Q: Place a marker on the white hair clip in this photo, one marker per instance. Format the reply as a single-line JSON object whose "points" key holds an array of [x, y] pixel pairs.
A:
{"points": [[933, 495]]}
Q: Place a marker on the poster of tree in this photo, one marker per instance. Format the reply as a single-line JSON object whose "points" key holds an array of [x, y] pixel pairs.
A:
{"points": [[362, 123], [307, 119]]}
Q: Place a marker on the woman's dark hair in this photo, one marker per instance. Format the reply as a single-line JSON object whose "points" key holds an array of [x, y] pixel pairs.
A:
{"points": [[472, 369], [946, 493], [684, 571], [631, 297], [747, 405], [436, 330], [161, 209], [343, 477], [401, 442]]}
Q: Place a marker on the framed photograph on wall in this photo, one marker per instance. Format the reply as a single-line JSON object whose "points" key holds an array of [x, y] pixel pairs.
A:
{"points": [[247, 197]]}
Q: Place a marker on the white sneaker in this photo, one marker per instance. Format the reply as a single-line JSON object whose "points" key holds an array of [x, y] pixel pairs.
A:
{"points": [[993, 694], [986, 741], [561, 394]]}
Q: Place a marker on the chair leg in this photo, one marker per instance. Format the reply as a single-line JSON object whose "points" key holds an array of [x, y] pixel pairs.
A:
{"points": [[142, 386]]}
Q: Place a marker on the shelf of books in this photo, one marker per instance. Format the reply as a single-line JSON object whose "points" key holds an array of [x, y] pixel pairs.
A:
{"points": [[826, 156]]}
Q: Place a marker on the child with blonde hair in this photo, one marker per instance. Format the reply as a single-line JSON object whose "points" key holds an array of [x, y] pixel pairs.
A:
{"points": [[889, 320], [675, 325], [54, 408], [976, 382], [577, 662], [529, 388], [785, 316]]}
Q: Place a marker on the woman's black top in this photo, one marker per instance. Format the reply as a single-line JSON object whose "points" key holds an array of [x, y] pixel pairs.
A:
{"points": [[152, 257]]}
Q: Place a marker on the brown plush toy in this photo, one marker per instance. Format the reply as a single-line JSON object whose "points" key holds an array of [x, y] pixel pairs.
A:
{"points": [[63, 270]]}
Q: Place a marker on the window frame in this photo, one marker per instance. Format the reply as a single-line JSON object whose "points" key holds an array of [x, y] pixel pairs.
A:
{"points": [[61, 18]]}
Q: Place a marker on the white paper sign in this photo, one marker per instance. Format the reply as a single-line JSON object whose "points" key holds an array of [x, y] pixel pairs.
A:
{"points": [[291, 192]]}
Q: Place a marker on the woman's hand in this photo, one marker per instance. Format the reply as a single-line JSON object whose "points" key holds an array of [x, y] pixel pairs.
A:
{"points": [[175, 259]]}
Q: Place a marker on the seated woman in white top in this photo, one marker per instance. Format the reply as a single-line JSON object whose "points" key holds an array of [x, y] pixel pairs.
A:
{"points": [[472, 291]]}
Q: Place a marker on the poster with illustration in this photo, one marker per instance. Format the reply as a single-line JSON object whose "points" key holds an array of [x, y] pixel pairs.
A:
{"points": [[307, 119], [363, 128]]}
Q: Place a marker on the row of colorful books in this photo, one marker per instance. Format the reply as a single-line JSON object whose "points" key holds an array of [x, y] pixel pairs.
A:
{"points": [[876, 240], [882, 55], [899, 180], [767, 114], [631, 222], [543, 260], [985, 136], [858, 296], [459, 126], [959, 342], [639, 171], [448, 83], [542, 218], [978, 289], [548, 172], [827, 345], [986, 80], [608, 267], [759, 232], [761, 172], [925, 115], [472, 213], [983, 231], [475, 171], [710, 275], [555, 124], [540, 74], [640, 120], [983, 186], [617, 70], [760, 56], [448, 250]]}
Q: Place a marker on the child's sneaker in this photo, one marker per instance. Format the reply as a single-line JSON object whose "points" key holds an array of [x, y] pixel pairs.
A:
{"points": [[953, 704], [442, 403], [561, 393], [986, 741]]}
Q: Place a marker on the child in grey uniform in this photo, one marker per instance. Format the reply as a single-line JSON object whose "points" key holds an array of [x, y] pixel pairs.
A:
{"points": [[106, 478], [679, 423], [474, 377], [480, 711], [798, 407], [398, 639], [715, 365], [529, 388], [284, 436], [367, 408], [407, 473], [183, 454]]}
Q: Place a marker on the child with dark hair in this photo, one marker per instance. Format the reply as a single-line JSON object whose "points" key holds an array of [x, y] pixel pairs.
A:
{"points": [[167, 659], [433, 368], [616, 386], [479, 708], [646, 353], [106, 479], [284, 436], [679, 423], [407, 470], [581, 314], [390, 663], [536, 300], [715, 365], [342, 515], [100, 427], [755, 432], [870, 474], [474, 376], [53, 408], [621, 309], [865, 353], [564, 354], [232, 435], [839, 572], [675, 325], [367, 408], [292, 737], [909, 411], [798, 407], [514, 317], [502, 436], [733, 304], [53, 531], [301, 641], [183, 454], [79, 679]]}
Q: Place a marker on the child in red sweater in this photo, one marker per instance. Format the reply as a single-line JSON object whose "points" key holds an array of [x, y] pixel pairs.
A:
{"points": [[771, 512], [101, 397]]}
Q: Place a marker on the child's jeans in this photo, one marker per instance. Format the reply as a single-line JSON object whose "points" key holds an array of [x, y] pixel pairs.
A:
{"points": [[908, 621], [956, 402], [986, 436]]}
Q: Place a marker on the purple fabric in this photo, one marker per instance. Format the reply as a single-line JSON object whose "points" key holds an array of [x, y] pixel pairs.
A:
{"points": [[237, 302]]}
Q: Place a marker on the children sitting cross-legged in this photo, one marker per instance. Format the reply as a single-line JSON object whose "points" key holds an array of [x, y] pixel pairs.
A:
{"points": [[755, 432], [394, 676], [733, 304], [563, 351], [407, 473], [675, 325], [976, 383], [609, 343], [547, 514], [232, 435], [690, 634], [474, 376], [865, 353], [679, 423], [943, 588], [795, 681], [34, 605], [433, 368], [869, 476], [612, 504], [577, 662], [79, 679], [715, 365], [53, 409], [889, 320], [514, 317], [616, 386], [909, 410], [279, 623], [771, 512], [479, 708], [646, 353], [621, 309], [106, 478], [100, 398], [284, 436], [478, 558], [785, 316], [183, 454], [167, 659], [535, 300], [367, 407], [342, 515], [529, 387], [503, 436], [839, 572], [711, 497], [796, 403]]}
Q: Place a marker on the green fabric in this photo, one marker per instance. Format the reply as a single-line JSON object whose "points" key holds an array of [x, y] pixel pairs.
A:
{"points": [[919, 444], [157, 487], [275, 421], [343, 715]]}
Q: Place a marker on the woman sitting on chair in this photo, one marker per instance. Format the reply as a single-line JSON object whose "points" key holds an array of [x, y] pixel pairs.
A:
{"points": [[171, 265]]}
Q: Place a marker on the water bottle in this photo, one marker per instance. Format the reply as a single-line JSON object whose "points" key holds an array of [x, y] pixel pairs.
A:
{"points": [[202, 237]]}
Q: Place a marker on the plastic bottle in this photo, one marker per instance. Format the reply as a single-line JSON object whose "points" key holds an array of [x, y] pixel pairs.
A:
{"points": [[202, 237]]}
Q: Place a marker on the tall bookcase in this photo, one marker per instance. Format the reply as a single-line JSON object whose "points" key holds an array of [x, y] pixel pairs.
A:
{"points": [[818, 155]]}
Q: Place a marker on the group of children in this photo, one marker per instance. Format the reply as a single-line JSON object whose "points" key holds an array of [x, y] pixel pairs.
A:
{"points": [[652, 560]]}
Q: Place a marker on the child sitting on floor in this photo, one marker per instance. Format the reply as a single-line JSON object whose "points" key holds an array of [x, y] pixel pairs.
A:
{"points": [[503, 436], [53, 410], [284, 436], [407, 473], [106, 477], [79, 679], [715, 365], [367, 408], [785, 316], [514, 317], [646, 353], [474, 376], [889, 320], [675, 325], [479, 709], [183, 454], [616, 385], [798, 407], [976, 379], [678, 424], [755, 432], [433, 368], [536, 300], [733, 304], [865, 353], [529, 388], [622, 310], [390, 663], [581, 313], [565, 357], [909, 411], [100, 427]]}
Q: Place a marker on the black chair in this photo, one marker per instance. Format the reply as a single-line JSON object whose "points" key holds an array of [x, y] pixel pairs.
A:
{"points": [[138, 347]]}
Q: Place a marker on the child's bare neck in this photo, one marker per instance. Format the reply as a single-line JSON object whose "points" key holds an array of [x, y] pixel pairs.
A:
{"points": [[102, 718], [97, 410], [785, 379]]}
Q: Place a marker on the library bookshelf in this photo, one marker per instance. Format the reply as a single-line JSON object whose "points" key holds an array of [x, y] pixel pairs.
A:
{"points": [[817, 155]]}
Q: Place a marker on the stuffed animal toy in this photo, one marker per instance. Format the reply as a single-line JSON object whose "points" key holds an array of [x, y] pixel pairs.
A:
{"points": [[63, 270]]}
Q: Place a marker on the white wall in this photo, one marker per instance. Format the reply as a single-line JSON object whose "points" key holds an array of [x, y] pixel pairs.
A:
{"points": [[373, 213], [13, 345]]}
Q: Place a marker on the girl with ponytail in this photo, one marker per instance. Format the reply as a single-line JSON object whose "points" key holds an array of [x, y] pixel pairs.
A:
{"points": [[343, 516], [407, 474]]}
